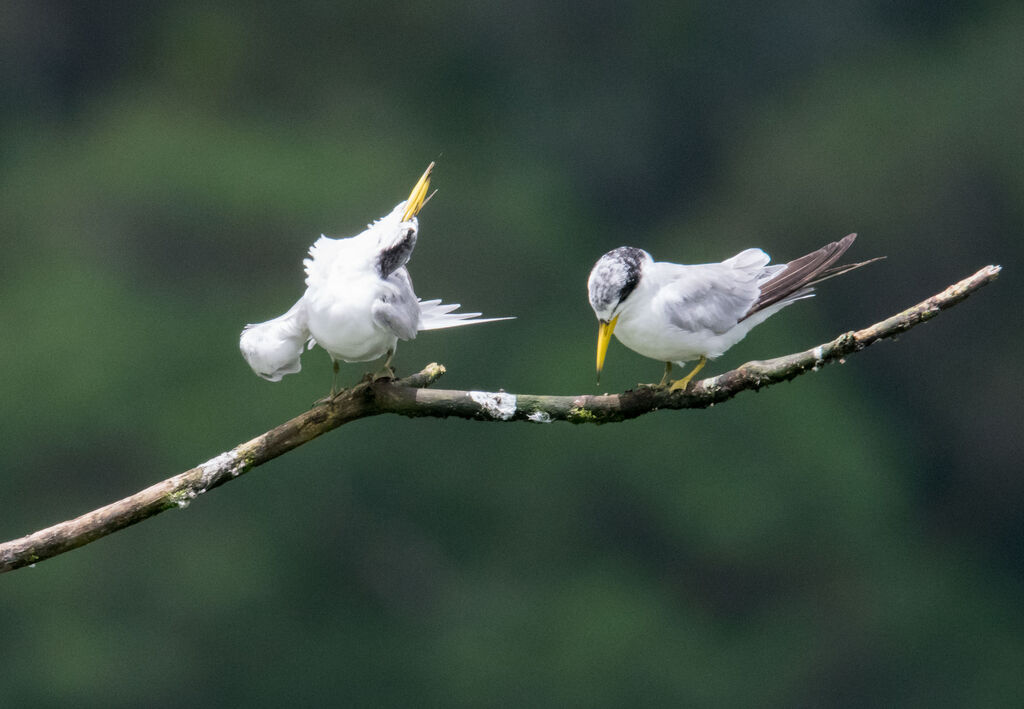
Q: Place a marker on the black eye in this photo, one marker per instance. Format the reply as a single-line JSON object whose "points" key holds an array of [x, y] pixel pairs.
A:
{"points": [[623, 271], [397, 255]]}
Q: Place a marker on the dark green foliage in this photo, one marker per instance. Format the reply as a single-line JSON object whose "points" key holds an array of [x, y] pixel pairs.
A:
{"points": [[849, 538]]}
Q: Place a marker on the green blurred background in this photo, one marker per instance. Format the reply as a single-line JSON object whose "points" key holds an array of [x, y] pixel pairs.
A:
{"points": [[855, 537]]}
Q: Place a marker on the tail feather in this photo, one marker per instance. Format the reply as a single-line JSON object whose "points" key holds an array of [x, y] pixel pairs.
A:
{"points": [[840, 270], [273, 348], [796, 279], [435, 315]]}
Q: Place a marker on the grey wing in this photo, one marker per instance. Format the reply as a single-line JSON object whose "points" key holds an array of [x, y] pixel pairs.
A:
{"points": [[398, 310], [710, 297]]}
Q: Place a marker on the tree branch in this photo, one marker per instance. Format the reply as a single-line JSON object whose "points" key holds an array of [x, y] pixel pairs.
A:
{"points": [[410, 397]]}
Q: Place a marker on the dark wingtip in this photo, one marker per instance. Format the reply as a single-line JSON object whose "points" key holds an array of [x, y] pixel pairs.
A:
{"points": [[846, 242], [806, 271]]}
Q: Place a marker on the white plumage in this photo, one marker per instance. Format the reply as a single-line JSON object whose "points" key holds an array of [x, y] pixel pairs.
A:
{"points": [[273, 348], [677, 313], [359, 299]]}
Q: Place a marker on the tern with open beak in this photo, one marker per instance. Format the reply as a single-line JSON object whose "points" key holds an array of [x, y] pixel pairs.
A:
{"points": [[359, 299], [677, 313]]}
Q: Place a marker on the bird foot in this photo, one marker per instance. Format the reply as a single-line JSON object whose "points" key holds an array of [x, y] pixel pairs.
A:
{"points": [[679, 384], [651, 385], [661, 386], [387, 374], [329, 399]]}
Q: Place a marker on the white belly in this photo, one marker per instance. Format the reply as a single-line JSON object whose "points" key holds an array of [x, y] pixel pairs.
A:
{"points": [[656, 338], [341, 321], [668, 345]]}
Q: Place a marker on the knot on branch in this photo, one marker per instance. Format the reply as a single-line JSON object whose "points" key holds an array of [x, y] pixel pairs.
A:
{"points": [[848, 342]]}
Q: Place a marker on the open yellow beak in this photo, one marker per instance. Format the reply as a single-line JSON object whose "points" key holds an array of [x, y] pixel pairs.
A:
{"points": [[418, 195], [604, 336]]}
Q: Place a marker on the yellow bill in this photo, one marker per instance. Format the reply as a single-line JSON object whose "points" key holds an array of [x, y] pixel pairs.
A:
{"points": [[604, 336], [418, 195]]}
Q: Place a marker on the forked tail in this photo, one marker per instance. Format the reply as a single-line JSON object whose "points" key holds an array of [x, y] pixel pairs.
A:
{"points": [[435, 315], [799, 275]]}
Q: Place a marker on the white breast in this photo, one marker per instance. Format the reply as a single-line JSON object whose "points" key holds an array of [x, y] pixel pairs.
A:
{"points": [[341, 319]]}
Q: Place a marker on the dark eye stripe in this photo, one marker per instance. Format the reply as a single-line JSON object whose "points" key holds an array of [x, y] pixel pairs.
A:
{"points": [[618, 274], [631, 259], [398, 255]]}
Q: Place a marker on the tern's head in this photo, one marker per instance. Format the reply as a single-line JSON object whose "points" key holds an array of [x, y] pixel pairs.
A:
{"points": [[614, 277], [396, 233]]}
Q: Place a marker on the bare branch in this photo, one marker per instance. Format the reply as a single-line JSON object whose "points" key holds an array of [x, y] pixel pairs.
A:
{"points": [[410, 397]]}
